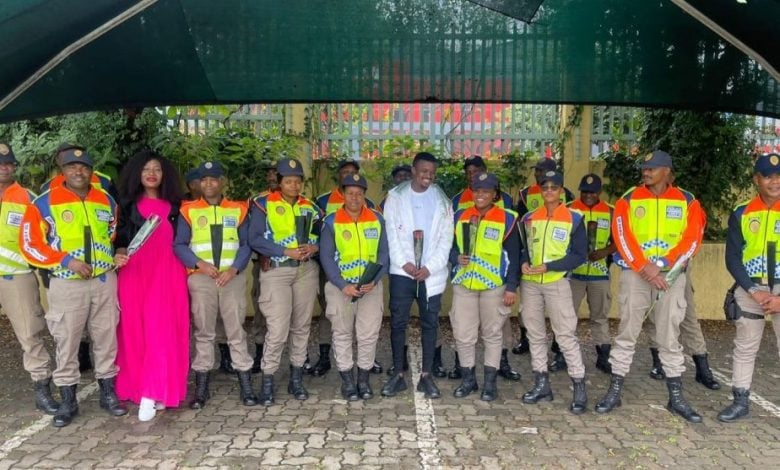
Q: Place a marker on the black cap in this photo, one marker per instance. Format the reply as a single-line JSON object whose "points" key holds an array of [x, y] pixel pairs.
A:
{"points": [[344, 163], [425, 156], [75, 155], [289, 167], [474, 160], [6, 154], [552, 177], [211, 169], [590, 183], [657, 159], [192, 175], [354, 180], [546, 164], [398, 168], [485, 181], [767, 164]]}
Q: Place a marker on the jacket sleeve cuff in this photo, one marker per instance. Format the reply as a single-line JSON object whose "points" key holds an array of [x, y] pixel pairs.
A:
{"points": [[67, 259]]}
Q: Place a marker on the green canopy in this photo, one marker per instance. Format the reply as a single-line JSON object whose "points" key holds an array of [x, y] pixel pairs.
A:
{"points": [[61, 56]]}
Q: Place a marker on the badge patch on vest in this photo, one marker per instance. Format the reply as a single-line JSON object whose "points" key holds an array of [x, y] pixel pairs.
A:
{"points": [[603, 223], [777, 226], [14, 218], [229, 221], [280, 210], [202, 221], [533, 204], [346, 235], [559, 234], [639, 212], [102, 215], [491, 233], [67, 216], [754, 225], [371, 233], [674, 212]]}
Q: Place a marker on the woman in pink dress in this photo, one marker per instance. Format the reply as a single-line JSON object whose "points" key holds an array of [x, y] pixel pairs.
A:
{"points": [[153, 332]]}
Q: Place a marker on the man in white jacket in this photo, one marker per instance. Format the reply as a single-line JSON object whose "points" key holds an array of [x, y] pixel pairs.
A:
{"points": [[417, 206]]}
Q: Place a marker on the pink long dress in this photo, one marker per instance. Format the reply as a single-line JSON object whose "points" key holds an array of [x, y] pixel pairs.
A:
{"points": [[153, 332]]}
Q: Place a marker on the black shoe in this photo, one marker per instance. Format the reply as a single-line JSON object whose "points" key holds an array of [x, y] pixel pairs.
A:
{"points": [[558, 362], [295, 386], [69, 407], [602, 358], [323, 363], [257, 363], [522, 347], [455, 373], [657, 372], [469, 383], [394, 385], [376, 368], [247, 395], [428, 386], [438, 368], [490, 391], [612, 399], [108, 399], [85, 360], [704, 373], [348, 390], [740, 408], [541, 390], [201, 390], [363, 385], [267, 390], [391, 369], [505, 370], [677, 403], [225, 361], [43, 399], [579, 402]]}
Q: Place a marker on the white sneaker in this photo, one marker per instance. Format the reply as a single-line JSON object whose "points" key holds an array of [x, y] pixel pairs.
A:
{"points": [[146, 410]]}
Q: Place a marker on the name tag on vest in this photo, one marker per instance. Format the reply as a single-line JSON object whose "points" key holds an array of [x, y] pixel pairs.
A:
{"points": [[491, 233], [559, 234], [229, 221], [103, 216], [14, 218], [674, 212], [603, 223], [777, 226], [371, 233]]}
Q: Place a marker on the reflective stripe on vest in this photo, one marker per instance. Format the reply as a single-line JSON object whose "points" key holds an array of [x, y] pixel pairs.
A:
{"points": [[489, 262], [202, 219], [357, 243], [657, 224], [760, 225], [280, 220], [13, 204], [548, 239], [600, 217]]}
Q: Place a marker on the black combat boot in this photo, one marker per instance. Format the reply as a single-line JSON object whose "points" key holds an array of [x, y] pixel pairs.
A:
{"points": [[704, 373], [376, 368], [248, 397], [579, 402], [490, 391], [505, 370], [307, 365], [267, 390], [69, 407], [468, 384], [364, 385], [391, 369], [394, 385], [522, 347], [348, 389], [558, 361], [740, 408], [455, 373], [602, 358], [43, 398], [657, 372], [108, 399], [541, 390], [225, 361], [257, 363], [201, 390], [85, 360], [323, 363], [428, 386], [677, 403], [438, 368], [295, 387], [612, 398]]}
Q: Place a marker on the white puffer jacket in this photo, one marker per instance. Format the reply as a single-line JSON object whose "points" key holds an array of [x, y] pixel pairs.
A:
{"points": [[399, 222]]}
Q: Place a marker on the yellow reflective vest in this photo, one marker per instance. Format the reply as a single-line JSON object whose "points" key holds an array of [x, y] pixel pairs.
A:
{"points": [[357, 243], [488, 265]]}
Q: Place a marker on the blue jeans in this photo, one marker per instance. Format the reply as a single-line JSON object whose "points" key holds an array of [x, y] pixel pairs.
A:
{"points": [[403, 291]]}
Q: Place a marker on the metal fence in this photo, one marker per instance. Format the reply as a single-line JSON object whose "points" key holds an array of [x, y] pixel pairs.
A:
{"points": [[258, 117]]}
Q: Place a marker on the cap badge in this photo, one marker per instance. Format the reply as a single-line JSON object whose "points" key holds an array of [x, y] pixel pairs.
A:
{"points": [[355, 177], [589, 180], [208, 165], [550, 173], [774, 160], [77, 153], [483, 177], [648, 157], [293, 164], [4, 150]]}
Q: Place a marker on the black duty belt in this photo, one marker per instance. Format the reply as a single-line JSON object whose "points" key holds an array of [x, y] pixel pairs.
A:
{"points": [[288, 263]]}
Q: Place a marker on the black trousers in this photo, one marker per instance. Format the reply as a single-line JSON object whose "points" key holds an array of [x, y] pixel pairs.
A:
{"points": [[403, 291]]}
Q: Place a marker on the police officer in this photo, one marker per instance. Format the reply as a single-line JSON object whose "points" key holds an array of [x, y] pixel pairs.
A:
{"points": [[212, 242], [192, 180], [654, 226], [485, 285], [69, 231], [474, 167], [352, 238], [289, 289], [399, 174], [752, 233], [19, 293], [592, 277], [555, 243]]}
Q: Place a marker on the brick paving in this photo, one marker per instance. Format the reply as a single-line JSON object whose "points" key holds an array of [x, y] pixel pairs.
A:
{"points": [[327, 432]]}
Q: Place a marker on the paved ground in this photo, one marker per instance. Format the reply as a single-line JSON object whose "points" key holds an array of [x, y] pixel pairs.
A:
{"points": [[407, 431]]}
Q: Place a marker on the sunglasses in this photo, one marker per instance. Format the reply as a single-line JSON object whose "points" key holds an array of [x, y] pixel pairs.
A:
{"points": [[551, 187]]}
